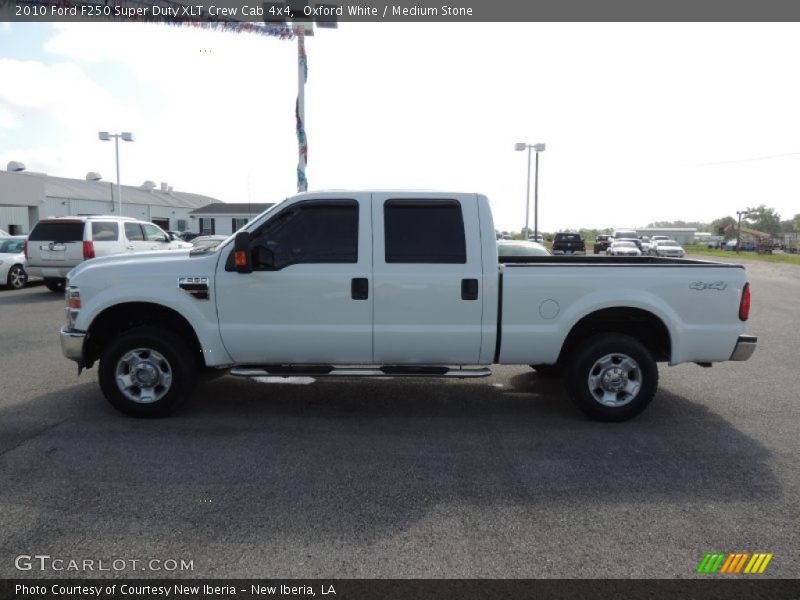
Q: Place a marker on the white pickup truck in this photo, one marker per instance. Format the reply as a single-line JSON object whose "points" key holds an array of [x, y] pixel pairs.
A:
{"points": [[385, 283]]}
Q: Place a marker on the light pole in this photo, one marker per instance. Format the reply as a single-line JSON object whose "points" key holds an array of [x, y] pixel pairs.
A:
{"points": [[740, 214], [537, 148], [126, 136]]}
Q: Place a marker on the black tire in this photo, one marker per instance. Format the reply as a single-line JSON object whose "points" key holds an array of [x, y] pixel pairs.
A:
{"points": [[549, 371], [17, 277], [55, 285], [613, 360], [161, 353]]}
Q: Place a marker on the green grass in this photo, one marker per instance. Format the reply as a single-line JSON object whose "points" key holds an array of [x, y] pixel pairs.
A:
{"points": [[792, 259]]}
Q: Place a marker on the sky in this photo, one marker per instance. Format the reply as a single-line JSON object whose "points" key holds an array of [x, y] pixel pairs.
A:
{"points": [[642, 122]]}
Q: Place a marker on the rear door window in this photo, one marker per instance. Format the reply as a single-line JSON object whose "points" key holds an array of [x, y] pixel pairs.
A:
{"points": [[424, 231], [133, 231], [71, 231], [105, 231]]}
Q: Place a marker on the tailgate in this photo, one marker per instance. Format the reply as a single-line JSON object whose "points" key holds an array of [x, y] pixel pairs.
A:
{"points": [[57, 243], [56, 253]]}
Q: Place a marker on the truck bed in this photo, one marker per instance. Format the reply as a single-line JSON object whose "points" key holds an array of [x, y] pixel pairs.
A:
{"points": [[542, 298], [609, 261]]}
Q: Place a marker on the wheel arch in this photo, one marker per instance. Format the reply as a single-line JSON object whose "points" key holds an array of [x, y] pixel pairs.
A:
{"points": [[642, 325], [119, 318]]}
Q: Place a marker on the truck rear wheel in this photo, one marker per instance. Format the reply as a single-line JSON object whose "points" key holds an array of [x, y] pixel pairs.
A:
{"points": [[612, 377], [146, 372]]}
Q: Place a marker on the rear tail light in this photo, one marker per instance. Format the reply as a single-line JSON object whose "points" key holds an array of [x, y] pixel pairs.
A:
{"points": [[88, 250], [744, 304], [25, 250]]}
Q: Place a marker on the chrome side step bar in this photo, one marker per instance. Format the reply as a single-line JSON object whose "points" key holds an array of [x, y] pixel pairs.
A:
{"points": [[385, 371]]}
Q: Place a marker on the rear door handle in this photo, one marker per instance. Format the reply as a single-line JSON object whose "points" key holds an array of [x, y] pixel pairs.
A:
{"points": [[359, 288], [469, 289]]}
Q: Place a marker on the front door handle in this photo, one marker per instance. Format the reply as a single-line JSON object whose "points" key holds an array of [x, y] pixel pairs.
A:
{"points": [[359, 288], [469, 289]]}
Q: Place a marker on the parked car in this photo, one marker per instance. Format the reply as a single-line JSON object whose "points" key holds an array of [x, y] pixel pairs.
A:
{"points": [[56, 245], [623, 248], [536, 238], [602, 243], [208, 241], [12, 261], [625, 234], [188, 236], [568, 243], [394, 284], [668, 248], [520, 248]]}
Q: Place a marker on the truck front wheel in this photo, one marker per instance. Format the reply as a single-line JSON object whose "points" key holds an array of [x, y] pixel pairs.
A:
{"points": [[146, 372], [612, 377]]}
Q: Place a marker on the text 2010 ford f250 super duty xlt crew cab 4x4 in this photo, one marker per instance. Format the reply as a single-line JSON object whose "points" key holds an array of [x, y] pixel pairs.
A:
{"points": [[379, 283]]}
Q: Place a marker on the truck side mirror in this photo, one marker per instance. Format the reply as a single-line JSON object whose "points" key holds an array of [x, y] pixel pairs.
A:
{"points": [[241, 252]]}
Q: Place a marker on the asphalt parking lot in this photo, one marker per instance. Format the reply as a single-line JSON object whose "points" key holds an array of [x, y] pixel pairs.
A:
{"points": [[499, 477]]}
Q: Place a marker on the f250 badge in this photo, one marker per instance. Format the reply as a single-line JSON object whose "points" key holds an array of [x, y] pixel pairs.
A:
{"points": [[704, 285]]}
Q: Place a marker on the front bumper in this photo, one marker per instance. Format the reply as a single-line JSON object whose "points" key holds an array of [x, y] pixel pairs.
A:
{"points": [[72, 344], [745, 346]]}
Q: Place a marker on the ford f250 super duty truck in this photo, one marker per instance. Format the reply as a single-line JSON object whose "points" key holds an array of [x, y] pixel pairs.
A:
{"points": [[383, 283]]}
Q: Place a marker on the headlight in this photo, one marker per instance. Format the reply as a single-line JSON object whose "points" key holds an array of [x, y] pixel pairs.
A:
{"points": [[73, 299]]}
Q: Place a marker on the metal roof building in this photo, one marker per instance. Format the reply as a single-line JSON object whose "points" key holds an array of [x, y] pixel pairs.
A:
{"points": [[223, 218], [26, 197]]}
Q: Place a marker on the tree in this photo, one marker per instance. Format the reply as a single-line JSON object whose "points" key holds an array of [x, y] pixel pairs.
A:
{"points": [[718, 226], [764, 219], [796, 220]]}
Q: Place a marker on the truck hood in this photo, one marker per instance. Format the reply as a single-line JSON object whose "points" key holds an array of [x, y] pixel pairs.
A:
{"points": [[160, 261]]}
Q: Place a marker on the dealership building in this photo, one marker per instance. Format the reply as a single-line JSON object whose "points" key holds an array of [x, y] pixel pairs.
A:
{"points": [[27, 197]]}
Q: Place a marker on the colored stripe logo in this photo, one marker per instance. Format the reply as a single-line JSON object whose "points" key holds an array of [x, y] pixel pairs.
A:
{"points": [[734, 563]]}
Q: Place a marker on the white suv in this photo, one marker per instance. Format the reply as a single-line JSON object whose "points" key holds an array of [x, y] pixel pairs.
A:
{"points": [[56, 245]]}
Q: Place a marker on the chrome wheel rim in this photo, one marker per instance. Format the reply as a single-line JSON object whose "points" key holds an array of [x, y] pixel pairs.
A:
{"points": [[16, 278], [143, 375], [615, 380]]}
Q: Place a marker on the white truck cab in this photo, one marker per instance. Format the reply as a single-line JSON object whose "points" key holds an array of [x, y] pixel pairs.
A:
{"points": [[398, 283]]}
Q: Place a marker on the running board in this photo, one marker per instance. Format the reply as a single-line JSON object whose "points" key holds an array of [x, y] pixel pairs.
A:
{"points": [[385, 371]]}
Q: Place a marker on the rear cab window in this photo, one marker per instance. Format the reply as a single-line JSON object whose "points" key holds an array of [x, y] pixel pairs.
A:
{"points": [[57, 231]]}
